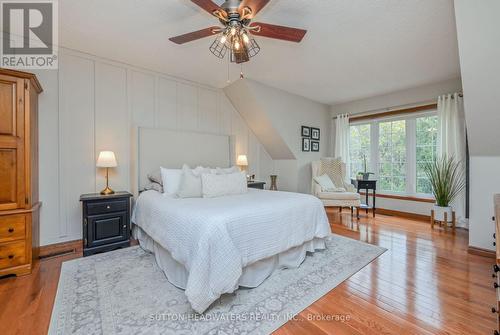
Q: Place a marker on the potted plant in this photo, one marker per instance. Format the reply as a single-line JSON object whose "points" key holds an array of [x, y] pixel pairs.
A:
{"points": [[364, 175], [447, 180]]}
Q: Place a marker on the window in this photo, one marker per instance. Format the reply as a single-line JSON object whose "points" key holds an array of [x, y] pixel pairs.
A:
{"points": [[396, 151], [359, 147], [426, 145], [392, 156]]}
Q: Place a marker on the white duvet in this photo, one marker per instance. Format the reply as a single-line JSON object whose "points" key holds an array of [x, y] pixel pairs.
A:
{"points": [[216, 238]]}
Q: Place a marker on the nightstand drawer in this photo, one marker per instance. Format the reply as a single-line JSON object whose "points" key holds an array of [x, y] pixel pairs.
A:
{"points": [[256, 184], [103, 207], [370, 184], [107, 228], [12, 254], [12, 227]]}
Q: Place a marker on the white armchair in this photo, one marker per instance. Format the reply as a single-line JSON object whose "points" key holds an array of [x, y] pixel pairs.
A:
{"points": [[349, 198]]}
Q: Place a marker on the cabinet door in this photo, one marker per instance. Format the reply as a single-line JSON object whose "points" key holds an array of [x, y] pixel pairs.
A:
{"points": [[107, 228], [12, 171]]}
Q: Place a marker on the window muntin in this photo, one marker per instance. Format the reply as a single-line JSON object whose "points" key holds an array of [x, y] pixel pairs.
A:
{"points": [[426, 148], [397, 151], [392, 156], [359, 147]]}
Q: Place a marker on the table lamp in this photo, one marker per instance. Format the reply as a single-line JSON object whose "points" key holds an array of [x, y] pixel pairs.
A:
{"points": [[106, 160], [242, 162]]}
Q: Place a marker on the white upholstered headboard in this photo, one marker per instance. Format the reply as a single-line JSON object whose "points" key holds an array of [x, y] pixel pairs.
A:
{"points": [[153, 147]]}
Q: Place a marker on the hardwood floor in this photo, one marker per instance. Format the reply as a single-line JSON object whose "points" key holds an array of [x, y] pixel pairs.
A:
{"points": [[426, 283]]}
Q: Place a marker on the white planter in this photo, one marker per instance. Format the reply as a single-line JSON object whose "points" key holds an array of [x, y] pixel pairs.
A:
{"points": [[439, 213]]}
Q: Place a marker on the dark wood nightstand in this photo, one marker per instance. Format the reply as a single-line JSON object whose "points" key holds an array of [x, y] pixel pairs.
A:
{"points": [[366, 185], [106, 222], [256, 184]]}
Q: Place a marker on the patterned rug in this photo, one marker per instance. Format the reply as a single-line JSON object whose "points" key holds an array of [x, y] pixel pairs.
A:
{"points": [[124, 292]]}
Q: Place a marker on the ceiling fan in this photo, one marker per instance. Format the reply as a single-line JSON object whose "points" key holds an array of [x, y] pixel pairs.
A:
{"points": [[237, 29]]}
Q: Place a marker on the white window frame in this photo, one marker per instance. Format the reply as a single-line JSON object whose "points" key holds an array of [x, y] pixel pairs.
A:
{"points": [[411, 149]]}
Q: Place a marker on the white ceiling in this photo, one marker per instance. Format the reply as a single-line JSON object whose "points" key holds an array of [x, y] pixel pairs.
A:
{"points": [[353, 49]]}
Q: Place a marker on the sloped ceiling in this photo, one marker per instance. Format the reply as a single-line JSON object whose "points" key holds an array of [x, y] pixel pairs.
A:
{"points": [[353, 49], [258, 119]]}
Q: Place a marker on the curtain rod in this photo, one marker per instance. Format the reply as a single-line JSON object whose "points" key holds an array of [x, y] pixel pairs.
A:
{"points": [[394, 109]]}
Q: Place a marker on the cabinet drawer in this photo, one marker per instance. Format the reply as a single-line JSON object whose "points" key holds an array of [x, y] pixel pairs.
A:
{"points": [[103, 207], [12, 227], [12, 254]]}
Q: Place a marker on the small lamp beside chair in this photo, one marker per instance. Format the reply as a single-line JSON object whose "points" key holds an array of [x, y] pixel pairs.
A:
{"points": [[107, 160]]}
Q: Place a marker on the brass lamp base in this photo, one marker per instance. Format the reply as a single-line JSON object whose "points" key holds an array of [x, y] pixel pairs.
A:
{"points": [[107, 191]]}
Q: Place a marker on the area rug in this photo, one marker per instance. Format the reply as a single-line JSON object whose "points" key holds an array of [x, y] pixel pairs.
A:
{"points": [[124, 292]]}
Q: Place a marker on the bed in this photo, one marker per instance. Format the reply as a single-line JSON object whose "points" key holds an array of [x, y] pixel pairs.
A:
{"points": [[212, 246]]}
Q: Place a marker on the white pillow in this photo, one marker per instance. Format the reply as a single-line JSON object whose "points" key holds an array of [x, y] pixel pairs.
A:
{"points": [[218, 185], [171, 179], [325, 182], [232, 169], [190, 185], [199, 170]]}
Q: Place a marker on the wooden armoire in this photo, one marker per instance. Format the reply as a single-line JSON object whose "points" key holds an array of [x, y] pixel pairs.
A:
{"points": [[19, 204]]}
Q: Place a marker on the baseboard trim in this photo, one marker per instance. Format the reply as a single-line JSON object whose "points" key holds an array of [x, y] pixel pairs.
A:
{"points": [[481, 252], [408, 215], [63, 248]]}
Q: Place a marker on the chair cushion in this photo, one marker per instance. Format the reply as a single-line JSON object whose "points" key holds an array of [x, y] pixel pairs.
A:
{"points": [[333, 168], [325, 182], [339, 195]]}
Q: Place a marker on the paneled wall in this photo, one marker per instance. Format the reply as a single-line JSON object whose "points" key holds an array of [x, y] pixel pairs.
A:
{"points": [[91, 104]]}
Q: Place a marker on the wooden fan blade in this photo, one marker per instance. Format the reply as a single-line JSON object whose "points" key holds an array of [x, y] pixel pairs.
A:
{"points": [[279, 32], [209, 6], [254, 5], [195, 35]]}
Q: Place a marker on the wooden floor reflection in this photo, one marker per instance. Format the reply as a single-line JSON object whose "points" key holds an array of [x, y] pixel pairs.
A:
{"points": [[426, 283]]}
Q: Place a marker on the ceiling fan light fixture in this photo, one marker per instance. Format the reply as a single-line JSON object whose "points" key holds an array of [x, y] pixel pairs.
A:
{"points": [[245, 37], [252, 47], [218, 48], [223, 39]]}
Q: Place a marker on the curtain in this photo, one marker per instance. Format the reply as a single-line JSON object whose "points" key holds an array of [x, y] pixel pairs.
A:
{"points": [[451, 141], [342, 140]]}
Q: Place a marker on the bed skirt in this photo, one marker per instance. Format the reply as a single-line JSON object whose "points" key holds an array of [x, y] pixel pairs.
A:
{"points": [[253, 275]]}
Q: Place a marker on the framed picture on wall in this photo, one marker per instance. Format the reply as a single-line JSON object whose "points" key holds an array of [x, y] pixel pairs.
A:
{"points": [[315, 133], [306, 144], [315, 146], [306, 131]]}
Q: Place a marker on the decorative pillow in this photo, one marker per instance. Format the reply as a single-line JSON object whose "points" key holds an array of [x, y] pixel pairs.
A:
{"points": [[333, 168], [325, 182], [199, 170], [155, 177], [232, 169], [218, 185], [154, 186], [171, 179], [190, 185]]}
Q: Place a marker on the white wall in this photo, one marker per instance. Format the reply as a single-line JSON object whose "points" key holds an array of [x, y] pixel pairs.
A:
{"points": [[285, 113], [396, 100], [478, 30], [400, 99], [91, 104]]}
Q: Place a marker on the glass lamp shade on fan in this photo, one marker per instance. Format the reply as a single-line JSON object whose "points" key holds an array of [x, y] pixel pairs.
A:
{"points": [[106, 160]]}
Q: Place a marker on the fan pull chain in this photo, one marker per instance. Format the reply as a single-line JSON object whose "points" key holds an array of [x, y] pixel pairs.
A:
{"points": [[228, 64], [241, 72]]}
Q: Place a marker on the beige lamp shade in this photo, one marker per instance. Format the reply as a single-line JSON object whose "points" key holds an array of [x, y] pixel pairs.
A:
{"points": [[242, 160], [106, 159]]}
